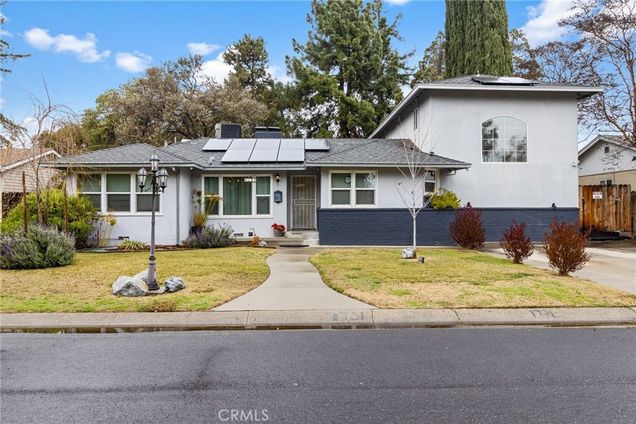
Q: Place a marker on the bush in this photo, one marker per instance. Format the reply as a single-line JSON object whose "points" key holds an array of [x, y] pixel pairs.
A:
{"points": [[210, 237], [467, 229], [515, 244], [41, 247], [131, 245], [565, 247], [81, 214], [445, 199]]}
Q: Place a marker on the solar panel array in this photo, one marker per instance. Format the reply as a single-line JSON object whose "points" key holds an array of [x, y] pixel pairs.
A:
{"points": [[488, 80], [265, 150]]}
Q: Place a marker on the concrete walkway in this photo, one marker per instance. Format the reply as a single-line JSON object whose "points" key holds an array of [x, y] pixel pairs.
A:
{"points": [[610, 267], [293, 284]]}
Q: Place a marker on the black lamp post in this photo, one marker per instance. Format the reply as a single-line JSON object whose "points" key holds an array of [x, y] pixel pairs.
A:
{"points": [[159, 181]]}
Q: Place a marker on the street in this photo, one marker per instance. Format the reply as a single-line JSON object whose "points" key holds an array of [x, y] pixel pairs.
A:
{"points": [[503, 375]]}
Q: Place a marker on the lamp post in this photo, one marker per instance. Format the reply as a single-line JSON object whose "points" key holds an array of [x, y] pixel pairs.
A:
{"points": [[158, 181]]}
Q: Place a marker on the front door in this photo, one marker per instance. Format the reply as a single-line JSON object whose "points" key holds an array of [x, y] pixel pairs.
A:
{"points": [[303, 200]]}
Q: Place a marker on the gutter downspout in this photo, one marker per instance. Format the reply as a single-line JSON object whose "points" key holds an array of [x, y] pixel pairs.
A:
{"points": [[177, 205]]}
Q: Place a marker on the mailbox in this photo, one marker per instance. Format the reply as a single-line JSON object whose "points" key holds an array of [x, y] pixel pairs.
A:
{"points": [[278, 196]]}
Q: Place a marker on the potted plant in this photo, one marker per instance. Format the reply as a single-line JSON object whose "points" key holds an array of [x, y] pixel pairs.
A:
{"points": [[202, 209], [279, 230]]}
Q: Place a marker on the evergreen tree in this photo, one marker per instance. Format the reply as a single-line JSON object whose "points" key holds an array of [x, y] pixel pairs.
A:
{"points": [[432, 66], [348, 73], [250, 61], [477, 38]]}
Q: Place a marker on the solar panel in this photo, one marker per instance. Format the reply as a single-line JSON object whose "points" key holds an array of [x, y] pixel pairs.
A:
{"points": [[503, 80], [217, 144], [265, 150], [316, 144], [240, 150], [291, 150]]}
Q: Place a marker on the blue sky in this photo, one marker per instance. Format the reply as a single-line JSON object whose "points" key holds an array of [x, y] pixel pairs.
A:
{"points": [[82, 49]]}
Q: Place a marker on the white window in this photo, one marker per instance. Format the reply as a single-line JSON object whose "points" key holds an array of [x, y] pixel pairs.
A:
{"points": [[113, 192], [504, 139], [430, 185], [237, 195], [416, 114], [353, 188], [90, 186]]}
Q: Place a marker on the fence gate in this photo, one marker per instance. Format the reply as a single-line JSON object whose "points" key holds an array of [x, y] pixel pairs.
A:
{"points": [[606, 208]]}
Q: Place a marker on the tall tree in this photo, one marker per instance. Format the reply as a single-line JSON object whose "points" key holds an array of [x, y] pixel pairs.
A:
{"points": [[524, 58], [477, 38], [250, 62], [6, 55], [432, 66], [349, 75]]}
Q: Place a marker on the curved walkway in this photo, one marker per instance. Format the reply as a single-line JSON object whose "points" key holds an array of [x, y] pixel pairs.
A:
{"points": [[293, 284]]}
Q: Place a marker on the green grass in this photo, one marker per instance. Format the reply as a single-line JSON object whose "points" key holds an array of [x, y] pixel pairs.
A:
{"points": [[212, 277], [455, 278]]}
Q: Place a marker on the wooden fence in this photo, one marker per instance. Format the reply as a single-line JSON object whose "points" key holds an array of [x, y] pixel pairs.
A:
{"points": [[606, 208]]}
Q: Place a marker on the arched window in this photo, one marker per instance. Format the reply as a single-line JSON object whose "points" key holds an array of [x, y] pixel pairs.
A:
{"points": [[504, 139]]}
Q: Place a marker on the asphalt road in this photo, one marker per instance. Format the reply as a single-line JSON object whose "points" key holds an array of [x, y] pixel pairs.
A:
{"points": [[349, 376]]}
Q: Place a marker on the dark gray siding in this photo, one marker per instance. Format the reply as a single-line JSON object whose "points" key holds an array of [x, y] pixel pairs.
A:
{"points": [[393, 227]]}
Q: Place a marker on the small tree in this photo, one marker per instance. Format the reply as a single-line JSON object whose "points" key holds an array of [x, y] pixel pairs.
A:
{"points": [[565, 247], [467, 230], [515, 244]]}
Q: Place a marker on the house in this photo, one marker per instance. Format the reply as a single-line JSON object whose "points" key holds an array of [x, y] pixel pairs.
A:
{"points": [[13, 162], [607, 160], [505, 145]]}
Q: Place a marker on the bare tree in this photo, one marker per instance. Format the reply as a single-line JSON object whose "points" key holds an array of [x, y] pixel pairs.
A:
{"points": [[412, 188]]}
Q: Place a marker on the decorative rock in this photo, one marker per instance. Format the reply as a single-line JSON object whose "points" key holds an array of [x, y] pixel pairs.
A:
{"points": [[129, 287], [421, 259], [262, 243], [408, 253], [143, 275], [174, 284]]}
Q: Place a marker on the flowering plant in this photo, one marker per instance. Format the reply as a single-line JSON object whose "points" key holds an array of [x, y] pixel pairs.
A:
{"points": [[279, 227]]}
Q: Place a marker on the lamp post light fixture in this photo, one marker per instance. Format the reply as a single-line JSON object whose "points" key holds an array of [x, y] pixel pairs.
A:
{"points": [[158, 181]]}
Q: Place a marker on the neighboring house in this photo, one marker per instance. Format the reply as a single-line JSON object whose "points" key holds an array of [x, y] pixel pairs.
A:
{"points": [[13, 162], [508, 147], [607, 160]]}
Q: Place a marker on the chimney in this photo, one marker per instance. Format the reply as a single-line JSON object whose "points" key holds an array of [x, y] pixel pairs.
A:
{"points": [[227, 131], [268, 132]]}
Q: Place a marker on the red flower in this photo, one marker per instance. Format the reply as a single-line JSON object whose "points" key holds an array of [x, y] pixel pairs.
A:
{"points": [[278, 227]]}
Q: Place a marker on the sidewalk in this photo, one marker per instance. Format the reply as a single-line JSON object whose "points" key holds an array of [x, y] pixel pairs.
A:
{"points": [[308, 319], [293, 284]]}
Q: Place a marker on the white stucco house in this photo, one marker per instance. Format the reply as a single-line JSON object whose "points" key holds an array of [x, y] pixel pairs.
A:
{"points": [[607, 160], [505, 145]]}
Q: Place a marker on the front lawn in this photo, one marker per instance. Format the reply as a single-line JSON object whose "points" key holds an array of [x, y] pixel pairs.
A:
{"points": [[454, 278], [212, 277]]}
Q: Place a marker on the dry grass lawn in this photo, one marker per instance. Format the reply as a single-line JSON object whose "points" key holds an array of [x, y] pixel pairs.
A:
{"points": [[212, 276], [453, 278]]}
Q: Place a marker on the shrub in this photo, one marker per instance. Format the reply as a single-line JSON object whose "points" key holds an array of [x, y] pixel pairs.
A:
{"points": [[445, 199], [515, 244], [467, 229], [131, 245], [40, 247], [81, 214], [565, 247], [209, 237]]}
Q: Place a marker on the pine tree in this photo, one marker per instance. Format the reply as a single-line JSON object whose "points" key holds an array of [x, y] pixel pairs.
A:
{"points": [[250, 61], [477, 38], [432, 66], [349, 75]]}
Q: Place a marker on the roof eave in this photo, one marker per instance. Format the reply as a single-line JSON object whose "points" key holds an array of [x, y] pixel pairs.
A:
{"points": [[388, 165]]}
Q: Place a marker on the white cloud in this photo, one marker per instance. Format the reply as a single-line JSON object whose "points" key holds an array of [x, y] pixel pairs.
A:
{"points": [[5, 33], [85, 48], [278, 74], [216, 68], [202, 48], [132, 62], [2, 103], [543, 23], [397, 2]]}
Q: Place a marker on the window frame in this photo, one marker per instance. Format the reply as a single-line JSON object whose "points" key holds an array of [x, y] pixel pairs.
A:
{"points": [[101, 187], [133, 194], [353, 189], [253, 195], [481, 141]]}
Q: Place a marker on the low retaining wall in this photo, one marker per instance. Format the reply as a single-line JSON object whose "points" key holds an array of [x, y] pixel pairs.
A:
{"points": [[393, 227]]}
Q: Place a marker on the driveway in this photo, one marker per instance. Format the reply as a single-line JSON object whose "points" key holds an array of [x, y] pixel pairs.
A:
{"points": [[293, 284], [612, 266]]}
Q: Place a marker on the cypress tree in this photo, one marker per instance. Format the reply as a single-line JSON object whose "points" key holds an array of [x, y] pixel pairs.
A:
{"points": [[477, 38]]}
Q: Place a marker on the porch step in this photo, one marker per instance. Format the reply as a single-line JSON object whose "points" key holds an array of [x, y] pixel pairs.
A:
{"points": [[309, 238]]}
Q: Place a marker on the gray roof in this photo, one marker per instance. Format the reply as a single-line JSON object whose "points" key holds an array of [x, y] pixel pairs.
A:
{"points": [[468, 80], [342, 152]]}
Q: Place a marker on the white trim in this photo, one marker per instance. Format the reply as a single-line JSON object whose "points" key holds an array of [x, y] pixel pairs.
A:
{"points": [[598, 138], [352, 190], [481, 141], [29, 159], [253, 195]]}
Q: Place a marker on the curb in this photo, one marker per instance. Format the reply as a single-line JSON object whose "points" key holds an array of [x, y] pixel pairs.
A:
{"points": [[122, 322]]}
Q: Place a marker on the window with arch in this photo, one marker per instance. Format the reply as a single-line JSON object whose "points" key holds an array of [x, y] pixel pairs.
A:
{"points": [[504, 139]]}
